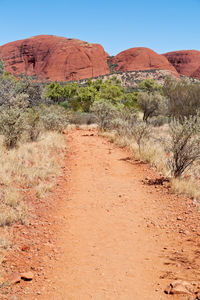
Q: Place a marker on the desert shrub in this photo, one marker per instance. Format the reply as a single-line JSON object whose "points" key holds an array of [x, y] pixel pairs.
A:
{"points": [[124, 121], [127, 114], [183, 97], [12, 126], [70, 91], [105, 112], [80, 118], [111, 91], [84, 99], [33, 123], [2, 67], [140, 132], [149, 85], [130, 100], [54, 91], [34, 90], [159, 121], [54, 118], [152, 104], [7, 89], [183, 145], [121, 126], [12, 120]]}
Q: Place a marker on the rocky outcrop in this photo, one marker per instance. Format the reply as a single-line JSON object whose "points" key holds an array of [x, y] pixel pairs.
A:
{"points": [[186, 62], [55, 58], [62, 59], [141, 59]]}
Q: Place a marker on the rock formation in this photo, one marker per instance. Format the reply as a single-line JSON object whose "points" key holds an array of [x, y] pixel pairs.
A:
{"points": [[56, 58], [186, 62], [141, 59], [62, 59]]}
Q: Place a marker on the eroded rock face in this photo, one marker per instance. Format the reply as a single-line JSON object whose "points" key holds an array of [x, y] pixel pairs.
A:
{"points": [[141, 59], [56, 58], [186, 62]]}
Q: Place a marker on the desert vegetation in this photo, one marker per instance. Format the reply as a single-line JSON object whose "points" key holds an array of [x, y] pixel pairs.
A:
{"points": [[166, 134], [160, 124], [31, 150]]}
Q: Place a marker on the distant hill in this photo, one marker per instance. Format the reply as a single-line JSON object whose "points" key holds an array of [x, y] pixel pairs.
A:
{"points": [[186, 62], [49, 57]]}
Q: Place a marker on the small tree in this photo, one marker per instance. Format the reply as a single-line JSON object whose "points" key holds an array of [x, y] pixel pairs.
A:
{"points": [[70, 90], [183, 145], [149, 85], [152, 104], [111, 92], [55, 92]]}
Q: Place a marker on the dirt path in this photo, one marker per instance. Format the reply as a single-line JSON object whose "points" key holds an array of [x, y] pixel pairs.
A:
{"points": [[116, 238]]}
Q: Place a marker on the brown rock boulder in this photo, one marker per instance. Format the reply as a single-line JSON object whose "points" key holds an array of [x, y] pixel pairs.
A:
{"points": [[141, 59], [56, 58], [186, 62]]}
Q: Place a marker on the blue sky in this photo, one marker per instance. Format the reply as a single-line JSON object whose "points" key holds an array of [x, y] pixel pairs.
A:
{"points": [[118, 25]]}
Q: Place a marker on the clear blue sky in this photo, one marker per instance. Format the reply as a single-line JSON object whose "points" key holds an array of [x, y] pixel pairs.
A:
{"points": [[117, 25]]}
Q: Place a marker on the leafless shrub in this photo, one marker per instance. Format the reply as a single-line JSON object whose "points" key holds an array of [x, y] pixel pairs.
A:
{"points": [[141, 132], [183, 146]]}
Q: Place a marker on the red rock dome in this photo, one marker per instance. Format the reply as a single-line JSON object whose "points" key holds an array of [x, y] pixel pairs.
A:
{"points": [[186, 62], [141, 59], [56, 58]]}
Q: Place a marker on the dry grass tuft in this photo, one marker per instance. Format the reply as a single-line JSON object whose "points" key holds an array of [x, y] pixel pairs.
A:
{"points": [[34, 165], [189, 187]]}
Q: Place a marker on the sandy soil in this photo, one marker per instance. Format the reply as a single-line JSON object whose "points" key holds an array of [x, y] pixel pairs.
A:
{"points": [[107, 234]]}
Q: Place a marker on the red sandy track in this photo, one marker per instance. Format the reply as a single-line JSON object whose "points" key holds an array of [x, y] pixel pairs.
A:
{"points": [[114, 236]]}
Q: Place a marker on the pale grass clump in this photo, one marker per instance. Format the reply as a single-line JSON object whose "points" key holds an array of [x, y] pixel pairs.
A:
{"points": [[5, 244], [189, 187], [43, 188], [10, 215], [152, 154], [88, 127], [32, 162], [32, 165], [12, 197], [71, 127]]}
